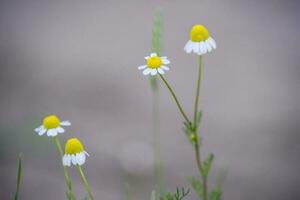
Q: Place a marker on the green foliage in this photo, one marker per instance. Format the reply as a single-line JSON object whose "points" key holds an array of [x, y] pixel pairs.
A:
{"points": [[197, 186], [156, 42], [128, 191], [191, 129], [70, 195], [198, 120], [178, 195], [207, 164], [216, 193], [157, 32], [19, 175]]}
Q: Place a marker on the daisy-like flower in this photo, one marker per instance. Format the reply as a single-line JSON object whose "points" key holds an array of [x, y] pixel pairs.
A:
{"points": [[52, 125], [74, 153], [200, 41], [155, 64]]}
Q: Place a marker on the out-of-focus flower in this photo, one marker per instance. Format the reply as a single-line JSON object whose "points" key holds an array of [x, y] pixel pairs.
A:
{"points": [[74, 153], [52, 125], [200, 41], [155, 64]]}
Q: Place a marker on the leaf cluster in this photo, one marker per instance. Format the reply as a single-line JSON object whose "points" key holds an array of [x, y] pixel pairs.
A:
{"points": [[178, 195]]}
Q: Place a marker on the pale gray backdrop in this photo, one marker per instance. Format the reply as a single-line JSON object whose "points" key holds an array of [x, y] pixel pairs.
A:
{"points": [[78, 59]]}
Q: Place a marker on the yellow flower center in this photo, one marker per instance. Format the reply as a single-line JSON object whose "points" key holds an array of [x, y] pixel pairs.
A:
{"points": [[199, 33], [154, 62], [73, 146], [51, 121]]}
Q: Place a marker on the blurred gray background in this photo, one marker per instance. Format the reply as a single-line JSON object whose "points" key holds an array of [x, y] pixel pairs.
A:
{"points": [[78, 59]]}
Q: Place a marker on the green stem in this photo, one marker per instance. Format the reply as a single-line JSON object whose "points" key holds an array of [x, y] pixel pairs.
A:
{"points": [[176, 100], [158, 168], [88, 189], [66, 174], [197, 93], [200, 169], [196, 146]]}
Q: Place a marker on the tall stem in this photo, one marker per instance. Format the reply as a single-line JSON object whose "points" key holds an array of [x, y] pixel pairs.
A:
{"points": [[200, 169], [66, 174], [88, 189], [196, 146], [158, 165], [197, 92], [176, 100]]}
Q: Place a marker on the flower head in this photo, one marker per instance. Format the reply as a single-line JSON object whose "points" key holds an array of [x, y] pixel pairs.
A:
{"points": [[154, 65], [52, 125], [74, 153], [200, 41]]}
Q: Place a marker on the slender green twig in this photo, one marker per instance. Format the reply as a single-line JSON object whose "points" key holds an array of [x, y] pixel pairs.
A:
{"points": [[176, 100], [197, 93], [196, 146], [88, 189], [66, 174], [200, 169], [19, 175], [156, 48]]}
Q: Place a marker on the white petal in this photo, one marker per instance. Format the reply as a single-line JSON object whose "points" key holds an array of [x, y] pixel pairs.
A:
{"points": [[38, 128], [165, 68], [165, 61], [65, 123], [208, 47], [196, 47], [86, 153], [203, 49], [146, 71], [147, 57], [142, 67], [42, 131], [81, 158], [66, 160], [52, 132], [60, 129], [73, 159], [188, 47], [153, 54], [160, 71], [212, 42], [153, 72]]}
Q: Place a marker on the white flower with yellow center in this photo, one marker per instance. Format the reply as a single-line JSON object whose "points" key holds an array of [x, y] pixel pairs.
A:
{"points": [[155, 64], [200, 41], [52, 125], [74, 153]]}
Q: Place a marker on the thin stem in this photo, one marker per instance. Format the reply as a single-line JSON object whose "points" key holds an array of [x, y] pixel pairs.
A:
{"points": [[88, 189], [176, 100], [158, 165], [196, 146], [197, 92], [200, 169], [66, 174]]}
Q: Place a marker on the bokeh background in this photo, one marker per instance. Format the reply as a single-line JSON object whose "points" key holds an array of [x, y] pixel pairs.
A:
{"points": [[78, 59]]}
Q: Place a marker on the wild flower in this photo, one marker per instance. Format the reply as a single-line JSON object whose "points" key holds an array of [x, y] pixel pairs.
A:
{"points": [[52, 125], [155, 64], [200, 41], [75, 154]]}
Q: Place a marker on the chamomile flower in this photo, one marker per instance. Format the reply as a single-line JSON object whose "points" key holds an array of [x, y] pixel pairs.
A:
{"points": [[74, 153], [155, 64], [52, 125], [200, 41]]}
